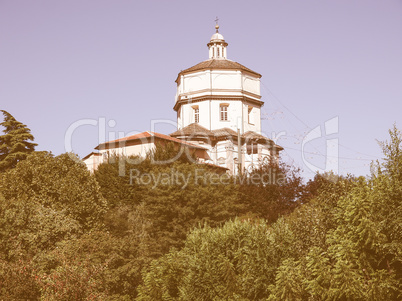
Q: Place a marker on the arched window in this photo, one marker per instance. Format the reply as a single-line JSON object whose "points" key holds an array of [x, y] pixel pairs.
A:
{"points": [[223, 112]]}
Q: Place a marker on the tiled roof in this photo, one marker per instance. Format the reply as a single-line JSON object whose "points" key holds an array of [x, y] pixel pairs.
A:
{"points": [[218, 64], [145, 135], [224, 132], [167, 137], [91, 154], [192, 129], [256, 136]]}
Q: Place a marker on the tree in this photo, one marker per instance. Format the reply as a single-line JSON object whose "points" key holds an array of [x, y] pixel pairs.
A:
{"points": [[46, 202], [349, 247], [177, 196], [59, 183], [344, 243], [17, 281], [270, 191], [14, 144], [392, 150], [358, 259], [234, 262]]}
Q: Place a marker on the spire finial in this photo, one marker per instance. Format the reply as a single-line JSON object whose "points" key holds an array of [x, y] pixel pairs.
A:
{"points": [[217, 26]]}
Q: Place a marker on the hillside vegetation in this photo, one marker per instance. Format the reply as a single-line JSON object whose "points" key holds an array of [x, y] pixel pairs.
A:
{"points": [[182, 231]]}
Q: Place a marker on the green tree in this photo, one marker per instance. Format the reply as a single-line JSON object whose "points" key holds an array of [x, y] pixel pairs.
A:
{"points": [[174, 198], [152, 207], [74, 277], [14, 144], [344, 243], [311, 221], [46, 202], [270, 191], [234, 262], [95, 264], [392, 150], [17, 281], [359, 258], [60, 183], [348, 238], [177, 196]]}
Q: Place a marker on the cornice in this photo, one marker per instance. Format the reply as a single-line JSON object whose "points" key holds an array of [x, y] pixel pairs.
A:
{"points": [[243, 98]]}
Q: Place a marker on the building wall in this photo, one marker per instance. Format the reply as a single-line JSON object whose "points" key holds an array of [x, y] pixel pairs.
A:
{"points": [[215, 84], [226, 154], [251, 84], [252, 120], [209, 115], [131, 150], [219, 82], [187, 114], [92, 162]]}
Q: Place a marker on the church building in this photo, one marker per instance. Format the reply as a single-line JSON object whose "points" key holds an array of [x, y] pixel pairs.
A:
{"points": [[218, 105]]}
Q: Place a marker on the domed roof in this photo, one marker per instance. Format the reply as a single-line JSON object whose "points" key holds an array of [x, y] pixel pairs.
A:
{"points": [[217, 37]]}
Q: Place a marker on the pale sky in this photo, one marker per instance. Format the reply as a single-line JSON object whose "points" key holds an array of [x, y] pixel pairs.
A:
{"points": [[62, 62]]}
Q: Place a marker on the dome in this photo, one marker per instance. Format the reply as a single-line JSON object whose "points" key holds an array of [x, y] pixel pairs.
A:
{"points": [[217, 37], [217, 45]]}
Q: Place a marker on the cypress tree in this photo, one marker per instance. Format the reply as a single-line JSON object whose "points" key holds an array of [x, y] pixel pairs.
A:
{"points": [[14, 144]]}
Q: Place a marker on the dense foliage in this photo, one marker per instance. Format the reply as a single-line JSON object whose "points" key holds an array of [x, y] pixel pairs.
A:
{"points": [[345, 244], [140, 230], [14, 144], [45, 201]]}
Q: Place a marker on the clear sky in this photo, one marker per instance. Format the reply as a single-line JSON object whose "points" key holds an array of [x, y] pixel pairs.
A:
{"points": [[66, 61]]}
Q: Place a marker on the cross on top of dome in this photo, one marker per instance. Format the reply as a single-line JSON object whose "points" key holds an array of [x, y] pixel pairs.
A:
{"points": [[217, 26]]}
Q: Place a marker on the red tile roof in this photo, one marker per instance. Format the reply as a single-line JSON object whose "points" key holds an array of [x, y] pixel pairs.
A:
{"points": [[192, 129], [224, 132], [89, 155], [145, 135], [250, 135]]}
